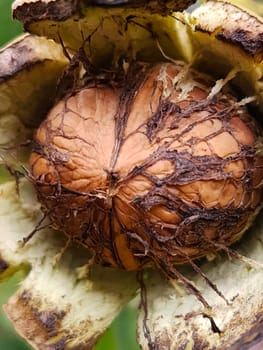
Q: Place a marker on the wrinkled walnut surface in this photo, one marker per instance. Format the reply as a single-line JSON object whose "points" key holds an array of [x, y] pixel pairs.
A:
{"points": [[150, 170]]}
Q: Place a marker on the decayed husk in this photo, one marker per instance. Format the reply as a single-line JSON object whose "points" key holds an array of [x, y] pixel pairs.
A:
{"points": [[63, 304], [225, 41], [109, 32], [24, 103], [27, 60], [241, 322], [237, 44]]}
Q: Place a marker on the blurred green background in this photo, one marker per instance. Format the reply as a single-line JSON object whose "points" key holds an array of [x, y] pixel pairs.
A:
{"points": [[122, 334], [8, 27]]}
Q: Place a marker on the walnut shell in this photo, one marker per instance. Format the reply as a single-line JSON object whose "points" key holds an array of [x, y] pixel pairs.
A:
{"points": [[155, 169]]}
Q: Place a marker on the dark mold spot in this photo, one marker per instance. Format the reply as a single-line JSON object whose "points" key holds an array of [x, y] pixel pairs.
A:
{"points": [[3, 265], [242, 38], [56, 10], [48, 319]]}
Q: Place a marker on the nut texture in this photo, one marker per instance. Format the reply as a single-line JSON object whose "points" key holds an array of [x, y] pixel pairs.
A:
{"points": [[150, 170]]}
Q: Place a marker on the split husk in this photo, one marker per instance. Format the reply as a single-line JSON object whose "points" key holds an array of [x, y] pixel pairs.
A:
{"points": [[63, 313]]}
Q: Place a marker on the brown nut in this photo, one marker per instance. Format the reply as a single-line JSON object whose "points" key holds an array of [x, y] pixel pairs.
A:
{"points": [[156, 170]]}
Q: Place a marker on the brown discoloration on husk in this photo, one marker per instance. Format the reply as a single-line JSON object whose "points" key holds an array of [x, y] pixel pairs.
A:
{"points": [[39, 327], [251, 337], [242, 39], [48, 323], [200, 343], [60, 10], [232, 25], [147, 181], [37, 11]]}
